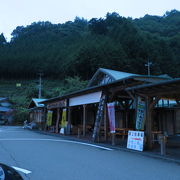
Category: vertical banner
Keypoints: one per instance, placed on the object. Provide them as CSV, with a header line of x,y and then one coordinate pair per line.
x,y
99,117
140,115
63,121
111,115
49,118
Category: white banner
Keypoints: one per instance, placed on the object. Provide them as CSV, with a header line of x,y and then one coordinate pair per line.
x,y
111,115
135,140
85,99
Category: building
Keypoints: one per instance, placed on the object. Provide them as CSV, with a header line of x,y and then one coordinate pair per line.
x,y
84,113
36,111
6,111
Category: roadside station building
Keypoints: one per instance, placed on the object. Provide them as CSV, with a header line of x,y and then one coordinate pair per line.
x,y
85,113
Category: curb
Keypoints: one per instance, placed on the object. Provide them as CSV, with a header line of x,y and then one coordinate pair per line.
x,y
144,153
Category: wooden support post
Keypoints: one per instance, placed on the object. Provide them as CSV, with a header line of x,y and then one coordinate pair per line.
x,y
57,121
44,118
113,135
69,121
131,95
79,133
148,123
105,122
127,112
84,119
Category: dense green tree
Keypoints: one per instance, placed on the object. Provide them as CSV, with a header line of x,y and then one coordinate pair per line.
x,y
2,39
80,47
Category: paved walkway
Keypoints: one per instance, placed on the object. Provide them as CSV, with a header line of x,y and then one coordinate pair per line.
x,y
172,151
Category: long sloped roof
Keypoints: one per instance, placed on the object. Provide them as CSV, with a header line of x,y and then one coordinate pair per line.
x,y
167,89
114,75
118,79
118,75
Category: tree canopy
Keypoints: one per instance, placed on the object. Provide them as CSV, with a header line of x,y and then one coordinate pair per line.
x,y
80,47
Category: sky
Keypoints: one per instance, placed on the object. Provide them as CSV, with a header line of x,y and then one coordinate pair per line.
x,y
23,12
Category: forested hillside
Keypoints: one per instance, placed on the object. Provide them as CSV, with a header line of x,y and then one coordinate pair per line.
x,y
80,47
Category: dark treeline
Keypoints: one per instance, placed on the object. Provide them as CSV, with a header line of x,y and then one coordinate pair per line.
x,y
80,47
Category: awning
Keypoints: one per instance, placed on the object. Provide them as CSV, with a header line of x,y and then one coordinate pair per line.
x,y
85,99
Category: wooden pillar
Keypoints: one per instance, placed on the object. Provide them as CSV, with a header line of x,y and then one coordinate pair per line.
x,y
44,118
84,119
57,121
36,116
105,122
126,113
69,120
39,117
149,123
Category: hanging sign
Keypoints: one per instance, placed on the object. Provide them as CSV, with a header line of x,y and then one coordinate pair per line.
x,y
135,140
85,99
111,114
140,115
49,118
57,104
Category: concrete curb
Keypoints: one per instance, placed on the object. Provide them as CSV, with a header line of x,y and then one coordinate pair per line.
x,y
144,153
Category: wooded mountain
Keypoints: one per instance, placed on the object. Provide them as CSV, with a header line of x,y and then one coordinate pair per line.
x,y
80,47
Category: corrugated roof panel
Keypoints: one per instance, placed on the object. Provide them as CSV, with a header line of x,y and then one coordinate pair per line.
x,y
117,74
4,109
38,102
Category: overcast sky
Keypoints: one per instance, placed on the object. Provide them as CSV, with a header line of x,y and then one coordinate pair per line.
x,y
23,12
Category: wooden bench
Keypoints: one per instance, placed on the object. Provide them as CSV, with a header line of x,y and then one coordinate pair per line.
x,y
155,135
80,129
119,132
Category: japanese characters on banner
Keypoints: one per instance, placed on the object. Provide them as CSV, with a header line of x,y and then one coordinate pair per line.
x,y
140,116
111,114
63,121
135,140
99,117
58,104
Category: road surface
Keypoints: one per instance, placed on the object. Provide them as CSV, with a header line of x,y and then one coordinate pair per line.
x,y
44,157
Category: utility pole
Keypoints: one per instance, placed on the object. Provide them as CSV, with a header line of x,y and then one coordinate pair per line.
x,y
40,85
148,65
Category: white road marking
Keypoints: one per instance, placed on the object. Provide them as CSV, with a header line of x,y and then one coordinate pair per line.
x,y
57,140
4,131
25,171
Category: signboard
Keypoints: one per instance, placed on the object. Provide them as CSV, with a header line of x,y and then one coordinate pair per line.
x,y
57,104
18,84
49,118
140,115
99,117
85,99
63,121
135,140
111,114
